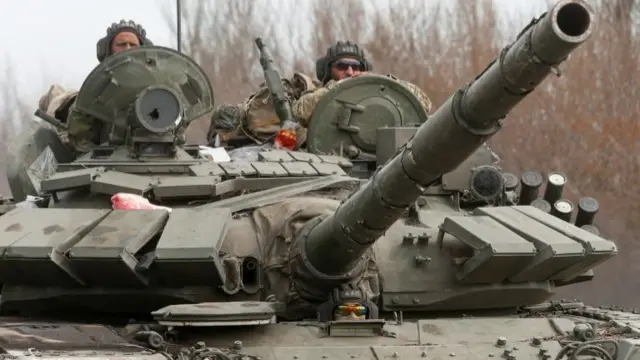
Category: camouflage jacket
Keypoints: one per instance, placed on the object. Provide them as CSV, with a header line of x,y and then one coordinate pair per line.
x,y
83,130
303,107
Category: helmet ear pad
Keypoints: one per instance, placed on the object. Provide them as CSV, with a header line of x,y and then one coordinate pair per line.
x,y
102,48
322,69
366,65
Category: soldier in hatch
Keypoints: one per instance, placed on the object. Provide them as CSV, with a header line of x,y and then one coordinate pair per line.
x,y
350,311
84,131
347,303
343,60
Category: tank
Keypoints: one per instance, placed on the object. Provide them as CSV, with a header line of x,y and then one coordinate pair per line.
x,y
263,252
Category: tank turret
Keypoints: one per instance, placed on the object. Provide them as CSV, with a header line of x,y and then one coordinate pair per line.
x,y
239,244
452,134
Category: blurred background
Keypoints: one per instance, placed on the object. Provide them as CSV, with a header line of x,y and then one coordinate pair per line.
x,y
583,124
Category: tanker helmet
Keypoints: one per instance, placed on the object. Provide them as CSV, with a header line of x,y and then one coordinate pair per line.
x,y
340,49
103,46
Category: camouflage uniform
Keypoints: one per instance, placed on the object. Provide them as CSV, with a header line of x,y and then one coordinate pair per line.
x,y
84,131
255,118
55,102
303,107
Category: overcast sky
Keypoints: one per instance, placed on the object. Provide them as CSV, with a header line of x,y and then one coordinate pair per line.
x,y
53,41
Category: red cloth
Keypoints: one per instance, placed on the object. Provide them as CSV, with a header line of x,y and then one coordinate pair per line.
x,y
126,201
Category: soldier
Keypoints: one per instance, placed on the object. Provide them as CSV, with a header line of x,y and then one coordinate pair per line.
x,y
84,132
343,60
346,303
254,120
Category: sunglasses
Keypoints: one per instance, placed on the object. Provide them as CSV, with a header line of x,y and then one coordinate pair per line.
x,y
346,309
343,65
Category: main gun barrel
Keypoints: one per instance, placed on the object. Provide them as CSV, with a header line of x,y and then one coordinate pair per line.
x,y
474,113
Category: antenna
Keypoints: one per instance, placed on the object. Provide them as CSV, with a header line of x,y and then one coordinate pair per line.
x,y
179,24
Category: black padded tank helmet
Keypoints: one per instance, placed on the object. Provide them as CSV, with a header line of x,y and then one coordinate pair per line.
x,y
103,47
340,49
